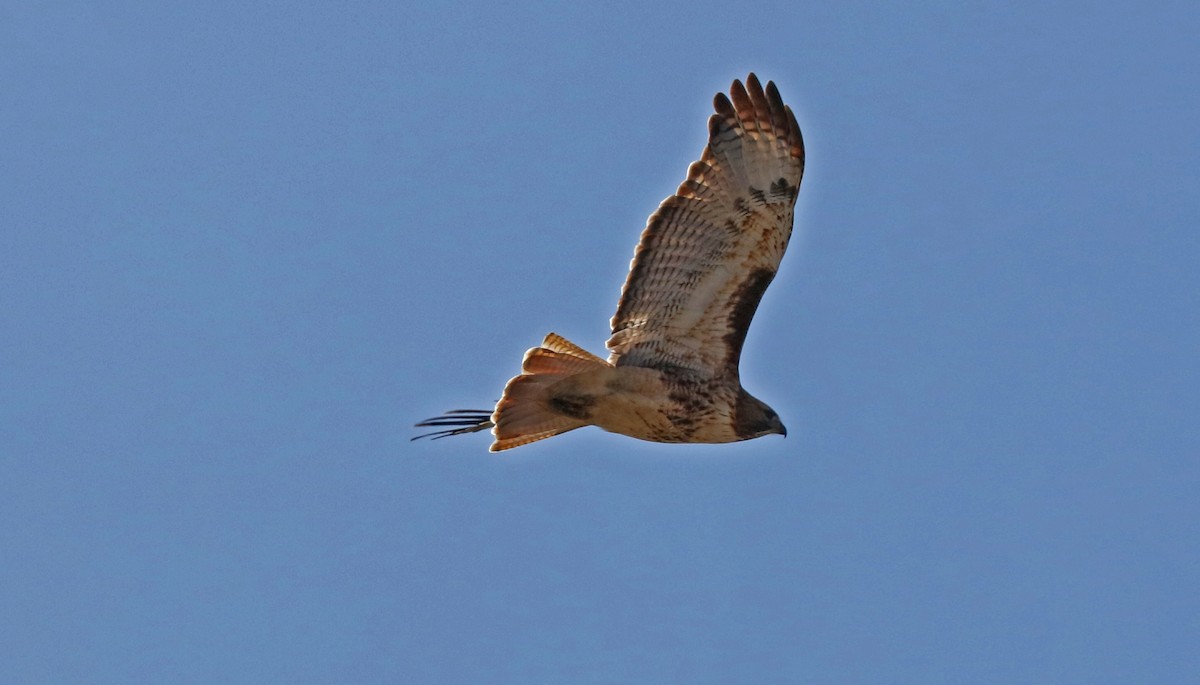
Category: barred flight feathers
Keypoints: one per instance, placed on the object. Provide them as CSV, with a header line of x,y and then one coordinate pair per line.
x,y
704,260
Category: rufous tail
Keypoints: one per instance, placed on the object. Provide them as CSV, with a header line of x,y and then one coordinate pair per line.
x,y
523,414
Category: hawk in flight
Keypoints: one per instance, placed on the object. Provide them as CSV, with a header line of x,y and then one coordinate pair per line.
x,y
704,260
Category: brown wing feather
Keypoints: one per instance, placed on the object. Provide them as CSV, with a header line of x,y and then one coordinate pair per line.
x,y
710,250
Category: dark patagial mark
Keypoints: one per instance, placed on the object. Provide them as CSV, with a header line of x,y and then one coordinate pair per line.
x,y
744,303
575,406
744,415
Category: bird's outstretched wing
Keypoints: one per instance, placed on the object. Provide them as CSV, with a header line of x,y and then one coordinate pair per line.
x,y
710,250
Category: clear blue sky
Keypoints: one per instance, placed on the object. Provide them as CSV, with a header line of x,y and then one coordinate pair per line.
x,y
245,246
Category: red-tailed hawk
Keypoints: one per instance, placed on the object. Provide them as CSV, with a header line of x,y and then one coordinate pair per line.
x,y
703,263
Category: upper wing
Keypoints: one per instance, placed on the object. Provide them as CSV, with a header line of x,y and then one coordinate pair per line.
x,y
710,250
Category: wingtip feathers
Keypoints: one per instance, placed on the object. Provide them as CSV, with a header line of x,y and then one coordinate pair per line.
x,y
756,110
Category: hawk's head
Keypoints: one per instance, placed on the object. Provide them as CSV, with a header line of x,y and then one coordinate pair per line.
x,y
754,418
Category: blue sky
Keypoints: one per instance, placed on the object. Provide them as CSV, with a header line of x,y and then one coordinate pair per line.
x,y
246,245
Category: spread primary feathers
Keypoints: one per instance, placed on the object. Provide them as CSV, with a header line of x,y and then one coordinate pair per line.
x,y
706,257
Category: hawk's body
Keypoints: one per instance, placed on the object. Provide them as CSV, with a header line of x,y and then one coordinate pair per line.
x,y
706,257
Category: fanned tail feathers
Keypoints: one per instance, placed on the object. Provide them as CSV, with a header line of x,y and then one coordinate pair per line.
x,y
524,414
556,343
